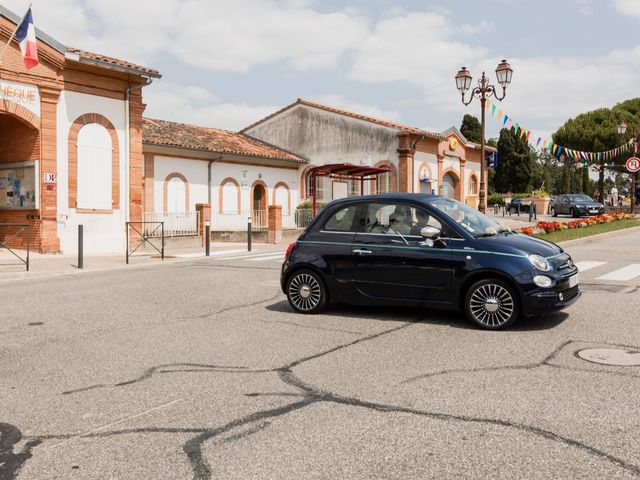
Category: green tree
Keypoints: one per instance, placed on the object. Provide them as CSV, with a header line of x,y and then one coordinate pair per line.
x,y
471,128
597,131
515,163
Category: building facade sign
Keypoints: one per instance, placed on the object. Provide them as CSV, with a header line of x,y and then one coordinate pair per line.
x,y
26,96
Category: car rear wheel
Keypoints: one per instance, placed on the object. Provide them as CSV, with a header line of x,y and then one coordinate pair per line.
x,y
553,212
492,304
573,212
306,292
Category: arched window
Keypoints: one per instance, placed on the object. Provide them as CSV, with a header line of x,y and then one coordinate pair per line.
x,y
473,185
176,193
386,182
94,168
229,196
310,187
282,197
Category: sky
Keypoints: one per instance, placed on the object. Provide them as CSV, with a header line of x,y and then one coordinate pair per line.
x,y
228,63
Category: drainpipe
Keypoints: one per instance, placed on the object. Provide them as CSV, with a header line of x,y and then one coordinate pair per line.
x,y
209,181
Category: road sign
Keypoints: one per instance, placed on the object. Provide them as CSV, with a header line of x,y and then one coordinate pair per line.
x,y
633,164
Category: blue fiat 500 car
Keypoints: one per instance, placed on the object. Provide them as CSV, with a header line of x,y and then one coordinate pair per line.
x,y
427,251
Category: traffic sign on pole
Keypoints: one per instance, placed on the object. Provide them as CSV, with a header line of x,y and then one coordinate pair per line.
x,y
633,164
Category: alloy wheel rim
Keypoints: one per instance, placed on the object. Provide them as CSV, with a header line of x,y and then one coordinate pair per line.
x,y
492,305
305,292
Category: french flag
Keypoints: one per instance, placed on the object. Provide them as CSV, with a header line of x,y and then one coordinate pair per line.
x,y
26,36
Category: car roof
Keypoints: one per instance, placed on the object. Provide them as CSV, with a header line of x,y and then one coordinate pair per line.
x,y
401,197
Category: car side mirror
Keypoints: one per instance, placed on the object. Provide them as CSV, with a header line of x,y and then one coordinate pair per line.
x,y
430,232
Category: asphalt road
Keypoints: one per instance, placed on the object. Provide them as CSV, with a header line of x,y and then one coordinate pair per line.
x,y
201,370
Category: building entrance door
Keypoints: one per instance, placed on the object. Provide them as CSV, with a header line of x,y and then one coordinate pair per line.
x,y
259,205
448,186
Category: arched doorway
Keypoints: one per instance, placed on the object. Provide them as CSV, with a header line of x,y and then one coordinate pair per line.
x,y
259,205
449,184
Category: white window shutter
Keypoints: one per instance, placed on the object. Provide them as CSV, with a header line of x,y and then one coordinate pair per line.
x,y
94,168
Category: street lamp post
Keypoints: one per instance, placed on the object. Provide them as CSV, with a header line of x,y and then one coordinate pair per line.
x,y
483,91
622,129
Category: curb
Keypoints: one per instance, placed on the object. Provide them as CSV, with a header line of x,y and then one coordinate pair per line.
x,y
591,238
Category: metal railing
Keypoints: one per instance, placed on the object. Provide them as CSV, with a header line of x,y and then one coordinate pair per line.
x,y
20,227
303,217
176,224
141,238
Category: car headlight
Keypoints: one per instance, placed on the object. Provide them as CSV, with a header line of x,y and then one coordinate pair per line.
x,y
539,262
542,281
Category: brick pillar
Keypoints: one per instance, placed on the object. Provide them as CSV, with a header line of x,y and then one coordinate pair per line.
x,y
274,235
205,214
48,164
405,159
136,108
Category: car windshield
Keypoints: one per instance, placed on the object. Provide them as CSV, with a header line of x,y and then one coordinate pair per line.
x,y
580,198
474,222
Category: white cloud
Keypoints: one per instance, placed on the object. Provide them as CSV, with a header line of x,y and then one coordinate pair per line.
x,y
191,104
228,35
628,7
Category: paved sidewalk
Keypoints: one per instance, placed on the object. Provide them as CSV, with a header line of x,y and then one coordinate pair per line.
x,y
44,265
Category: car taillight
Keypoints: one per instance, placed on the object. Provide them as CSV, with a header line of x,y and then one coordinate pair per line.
x,y
289,248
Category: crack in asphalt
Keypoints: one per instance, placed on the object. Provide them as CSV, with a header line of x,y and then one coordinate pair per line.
x,y
528,366
258,421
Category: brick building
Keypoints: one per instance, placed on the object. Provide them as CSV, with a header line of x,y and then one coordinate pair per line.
x,y
70,143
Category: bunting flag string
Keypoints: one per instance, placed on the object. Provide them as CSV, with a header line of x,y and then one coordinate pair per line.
x,y
583,157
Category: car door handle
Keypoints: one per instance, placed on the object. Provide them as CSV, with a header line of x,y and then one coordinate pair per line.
x,y
362,252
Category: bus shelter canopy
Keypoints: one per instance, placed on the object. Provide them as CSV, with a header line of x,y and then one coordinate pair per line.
x,y
344,171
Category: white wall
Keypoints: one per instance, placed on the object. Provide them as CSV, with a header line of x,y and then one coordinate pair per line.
x,y
102,232
195,171
245,175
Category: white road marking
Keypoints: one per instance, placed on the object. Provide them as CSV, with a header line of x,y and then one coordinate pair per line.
x,y
247,256
217,252
622,274
224,252
279,256
587,265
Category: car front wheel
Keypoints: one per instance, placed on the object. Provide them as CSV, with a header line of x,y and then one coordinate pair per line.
x,y
306,292
491,304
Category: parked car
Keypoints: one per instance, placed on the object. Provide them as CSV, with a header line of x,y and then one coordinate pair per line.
x,y
576,205
450,256
518,204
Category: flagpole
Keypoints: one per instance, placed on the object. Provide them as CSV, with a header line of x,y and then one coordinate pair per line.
x,y
4,50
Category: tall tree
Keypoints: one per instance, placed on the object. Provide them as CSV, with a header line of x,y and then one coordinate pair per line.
x,y
515,163
597,131
471,128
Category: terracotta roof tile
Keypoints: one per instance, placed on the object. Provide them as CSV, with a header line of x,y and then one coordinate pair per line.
x,y
162,132
114,61
359,116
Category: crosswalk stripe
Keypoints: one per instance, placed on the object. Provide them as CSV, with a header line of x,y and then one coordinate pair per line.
x,y
623,274
587,265
280,256
225,252
250,255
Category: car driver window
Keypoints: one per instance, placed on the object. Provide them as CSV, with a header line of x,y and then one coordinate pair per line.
x,y
342,220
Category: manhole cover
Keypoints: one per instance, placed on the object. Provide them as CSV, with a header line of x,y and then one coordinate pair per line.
x,y
611,356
